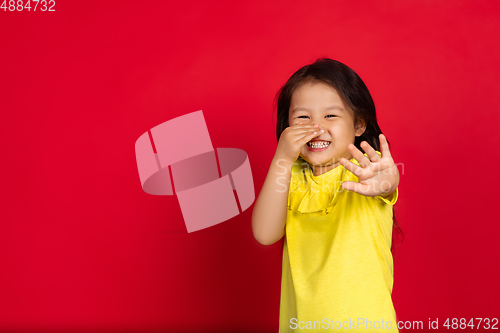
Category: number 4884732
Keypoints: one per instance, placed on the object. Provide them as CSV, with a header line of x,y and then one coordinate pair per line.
x,y
461,323
19,5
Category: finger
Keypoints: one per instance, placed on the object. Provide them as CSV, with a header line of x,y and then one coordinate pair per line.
x,y
355,169
358,155
384,146
300,134
355,187
293,132
372,153
305,129
307,137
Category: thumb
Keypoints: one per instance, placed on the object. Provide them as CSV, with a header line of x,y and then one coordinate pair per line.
x,y
350,185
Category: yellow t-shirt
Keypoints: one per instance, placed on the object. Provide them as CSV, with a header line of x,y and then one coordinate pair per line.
x,y
337,261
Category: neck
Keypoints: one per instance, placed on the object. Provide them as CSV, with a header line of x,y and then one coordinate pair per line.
x,y
318,170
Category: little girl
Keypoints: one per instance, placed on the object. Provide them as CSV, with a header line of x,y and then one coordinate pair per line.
x,y
330,191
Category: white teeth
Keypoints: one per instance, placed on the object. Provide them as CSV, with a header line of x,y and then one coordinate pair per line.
x,y
321,144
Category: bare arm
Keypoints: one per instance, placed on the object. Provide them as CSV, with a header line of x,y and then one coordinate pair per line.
x,y
270,209
269,212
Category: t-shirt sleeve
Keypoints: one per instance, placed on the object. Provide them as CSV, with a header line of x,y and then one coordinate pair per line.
x,y
391,199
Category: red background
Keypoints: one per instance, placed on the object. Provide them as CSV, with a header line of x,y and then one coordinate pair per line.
x,y
83,248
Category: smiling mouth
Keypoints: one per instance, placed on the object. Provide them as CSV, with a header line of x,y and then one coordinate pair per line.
x,y
318,144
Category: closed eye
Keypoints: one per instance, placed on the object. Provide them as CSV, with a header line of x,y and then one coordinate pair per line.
x,y
327,116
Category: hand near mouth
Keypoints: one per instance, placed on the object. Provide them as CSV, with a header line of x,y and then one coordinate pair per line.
x,y
377,175
293,138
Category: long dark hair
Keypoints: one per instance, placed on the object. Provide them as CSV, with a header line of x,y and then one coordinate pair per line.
x,y
353,92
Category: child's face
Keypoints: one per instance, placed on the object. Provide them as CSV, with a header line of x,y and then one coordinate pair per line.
x,y
318,103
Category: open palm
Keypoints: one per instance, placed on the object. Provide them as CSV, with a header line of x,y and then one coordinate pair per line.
x,y
378,175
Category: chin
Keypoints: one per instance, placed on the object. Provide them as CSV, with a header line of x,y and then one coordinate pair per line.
x,y
317,160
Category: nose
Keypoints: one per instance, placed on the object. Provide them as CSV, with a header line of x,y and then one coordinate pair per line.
x,y
320,122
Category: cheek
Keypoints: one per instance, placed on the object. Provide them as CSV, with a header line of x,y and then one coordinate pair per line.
x,y
294,121
341,133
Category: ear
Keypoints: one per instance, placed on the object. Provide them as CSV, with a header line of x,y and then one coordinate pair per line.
x,y
360,127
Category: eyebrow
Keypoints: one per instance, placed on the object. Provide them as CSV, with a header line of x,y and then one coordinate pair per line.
x,y
335,107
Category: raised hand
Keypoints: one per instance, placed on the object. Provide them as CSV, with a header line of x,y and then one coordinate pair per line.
x,y
378,175
293,138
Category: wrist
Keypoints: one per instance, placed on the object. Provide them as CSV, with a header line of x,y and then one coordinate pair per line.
x,y
283,164
387,194
283,160
394,183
